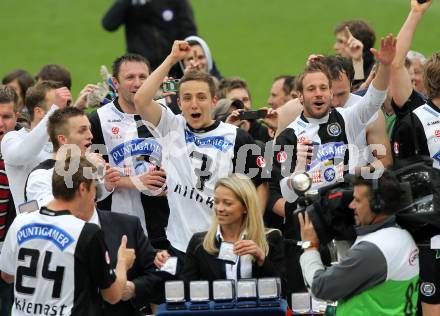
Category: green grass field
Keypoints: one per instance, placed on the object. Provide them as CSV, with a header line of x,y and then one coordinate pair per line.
x,y
255,39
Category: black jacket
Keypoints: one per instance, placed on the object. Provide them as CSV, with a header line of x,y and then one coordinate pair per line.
x,y
200,265
114,226
151,26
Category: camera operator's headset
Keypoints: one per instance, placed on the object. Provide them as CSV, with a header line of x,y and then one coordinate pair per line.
x,y
377,204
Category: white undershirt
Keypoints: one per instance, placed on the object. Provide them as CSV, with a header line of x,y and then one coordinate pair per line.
x,y
245,262
95,218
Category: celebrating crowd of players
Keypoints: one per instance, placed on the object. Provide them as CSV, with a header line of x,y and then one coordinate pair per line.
x,y
150,164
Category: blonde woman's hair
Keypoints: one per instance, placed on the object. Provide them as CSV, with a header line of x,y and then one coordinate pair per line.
x,y
246,193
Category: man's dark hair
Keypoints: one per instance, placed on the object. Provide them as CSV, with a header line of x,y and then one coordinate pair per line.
x,y
8,95
56,72
195,75
24,80
36,95
57,124
361,30
337,65
288,83
389,191
63,188
228,84
313,68
116,66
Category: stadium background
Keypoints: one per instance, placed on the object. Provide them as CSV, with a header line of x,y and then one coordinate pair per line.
x,y
256,39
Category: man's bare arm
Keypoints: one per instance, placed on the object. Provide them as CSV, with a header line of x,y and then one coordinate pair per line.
x,y
385,57
146,107
376,133
279,207
287,114
401,86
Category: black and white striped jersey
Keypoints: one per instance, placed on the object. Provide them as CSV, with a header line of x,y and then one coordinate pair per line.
x,y
133,151
419,128
194,161
334,137
59,262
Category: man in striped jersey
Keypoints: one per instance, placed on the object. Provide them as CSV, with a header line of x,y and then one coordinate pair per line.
x,y
57,260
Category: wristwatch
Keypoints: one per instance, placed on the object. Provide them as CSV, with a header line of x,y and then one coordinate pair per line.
x,y
306,244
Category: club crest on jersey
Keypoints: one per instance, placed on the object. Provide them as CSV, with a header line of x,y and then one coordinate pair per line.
x,y
281,156
56,235
137,147
329,174
427,288
261,162
334,129
217,142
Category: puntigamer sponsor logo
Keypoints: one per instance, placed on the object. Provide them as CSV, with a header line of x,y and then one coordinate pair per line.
x,y
136,147
56,235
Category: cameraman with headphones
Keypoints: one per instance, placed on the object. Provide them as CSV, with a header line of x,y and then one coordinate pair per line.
x,y
379,273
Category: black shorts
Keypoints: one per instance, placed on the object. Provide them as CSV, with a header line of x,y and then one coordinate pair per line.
x,y
429,276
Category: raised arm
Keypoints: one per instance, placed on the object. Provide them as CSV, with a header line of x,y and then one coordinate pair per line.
x,y
385,57
354,48
358,115
400,85
17,150
287,114
146,107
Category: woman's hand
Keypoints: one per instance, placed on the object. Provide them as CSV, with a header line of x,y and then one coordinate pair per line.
x,y
249,247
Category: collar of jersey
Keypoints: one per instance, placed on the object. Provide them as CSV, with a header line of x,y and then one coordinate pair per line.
x,y
433,106
45,211
117,106
368,229
314,121
204,130
137,117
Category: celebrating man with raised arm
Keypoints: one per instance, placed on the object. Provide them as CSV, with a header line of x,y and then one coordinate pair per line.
x,y
197,150
320,138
